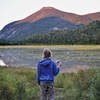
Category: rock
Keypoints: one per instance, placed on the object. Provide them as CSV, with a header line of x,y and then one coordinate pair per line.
x,y
2,63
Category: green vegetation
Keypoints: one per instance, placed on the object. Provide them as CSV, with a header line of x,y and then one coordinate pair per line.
x,y
20,84
25,29
89,34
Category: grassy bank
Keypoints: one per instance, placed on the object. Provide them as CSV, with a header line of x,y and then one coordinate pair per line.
x,y
20,84
75,47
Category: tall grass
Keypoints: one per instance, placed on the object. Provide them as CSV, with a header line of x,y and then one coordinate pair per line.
x,y
20,84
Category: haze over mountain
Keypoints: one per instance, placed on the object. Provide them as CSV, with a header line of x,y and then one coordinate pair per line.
x,y
45,20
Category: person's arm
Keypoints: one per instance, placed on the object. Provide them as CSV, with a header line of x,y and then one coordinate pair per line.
x,y
55,69
38,74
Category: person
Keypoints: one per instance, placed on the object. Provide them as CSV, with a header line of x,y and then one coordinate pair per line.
x,y
46,70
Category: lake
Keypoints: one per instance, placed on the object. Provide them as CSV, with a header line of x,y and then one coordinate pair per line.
x,y
28,56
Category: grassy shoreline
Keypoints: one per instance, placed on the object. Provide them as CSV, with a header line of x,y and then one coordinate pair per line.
x,y
76,47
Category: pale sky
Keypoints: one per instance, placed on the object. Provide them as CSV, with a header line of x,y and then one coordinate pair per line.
x,y
12,10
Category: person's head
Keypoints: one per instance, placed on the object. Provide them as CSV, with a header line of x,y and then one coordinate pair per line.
x,y
46,53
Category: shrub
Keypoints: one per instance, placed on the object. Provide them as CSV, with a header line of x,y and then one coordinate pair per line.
x,y
20,84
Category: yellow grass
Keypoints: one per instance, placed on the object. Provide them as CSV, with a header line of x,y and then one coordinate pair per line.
x,y
88,47
76,47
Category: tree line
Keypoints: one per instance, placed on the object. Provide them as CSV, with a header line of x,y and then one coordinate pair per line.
x,y
89,34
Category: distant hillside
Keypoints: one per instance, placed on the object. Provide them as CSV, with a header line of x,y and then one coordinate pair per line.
x,y
50,11
89,34
45,20
20,31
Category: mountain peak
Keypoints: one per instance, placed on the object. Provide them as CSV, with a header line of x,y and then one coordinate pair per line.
x,y
47,8
51,11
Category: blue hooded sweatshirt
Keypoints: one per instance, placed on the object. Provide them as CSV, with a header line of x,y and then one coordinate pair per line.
x,y
46,70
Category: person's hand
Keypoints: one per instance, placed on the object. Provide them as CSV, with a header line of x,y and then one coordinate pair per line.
x,y
59,64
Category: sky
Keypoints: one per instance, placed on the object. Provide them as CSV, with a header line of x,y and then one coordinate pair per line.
x,y
12,10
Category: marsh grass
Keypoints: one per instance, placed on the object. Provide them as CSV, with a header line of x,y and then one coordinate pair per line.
x,y
20,84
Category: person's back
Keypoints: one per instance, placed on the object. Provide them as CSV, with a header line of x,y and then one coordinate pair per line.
x,y
46,70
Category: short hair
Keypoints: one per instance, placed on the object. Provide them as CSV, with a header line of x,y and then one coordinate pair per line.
x,y
47,53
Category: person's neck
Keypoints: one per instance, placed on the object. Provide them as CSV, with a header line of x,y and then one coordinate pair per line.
x,y
47,58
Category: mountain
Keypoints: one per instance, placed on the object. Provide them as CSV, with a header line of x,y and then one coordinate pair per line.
x,y
89,34
20,31
50,11
45,20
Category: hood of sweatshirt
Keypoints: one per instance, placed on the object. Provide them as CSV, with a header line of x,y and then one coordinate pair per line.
x,y
45,62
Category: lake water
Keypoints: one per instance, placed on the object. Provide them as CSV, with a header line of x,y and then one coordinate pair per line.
x,y
29,56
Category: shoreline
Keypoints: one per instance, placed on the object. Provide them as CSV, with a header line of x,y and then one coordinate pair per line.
x,y
75,47
74,69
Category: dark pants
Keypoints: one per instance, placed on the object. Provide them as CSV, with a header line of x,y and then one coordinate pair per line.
x,y
46,91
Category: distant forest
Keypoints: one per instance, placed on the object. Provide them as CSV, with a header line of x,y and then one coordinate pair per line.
x,y
89,34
